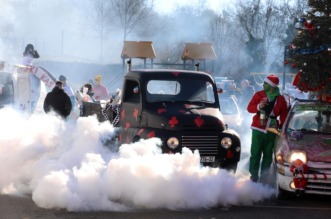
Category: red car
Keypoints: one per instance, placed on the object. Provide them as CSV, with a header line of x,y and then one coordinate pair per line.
x,y
303,150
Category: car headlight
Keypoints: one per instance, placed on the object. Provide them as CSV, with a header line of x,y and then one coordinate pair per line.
x,y
172,142
226,142
298,155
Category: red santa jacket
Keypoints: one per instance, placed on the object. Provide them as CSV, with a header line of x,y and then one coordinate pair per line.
x,y
279,110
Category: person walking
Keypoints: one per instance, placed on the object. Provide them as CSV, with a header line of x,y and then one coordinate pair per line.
x,y
267,105
68,90
29,54
58,101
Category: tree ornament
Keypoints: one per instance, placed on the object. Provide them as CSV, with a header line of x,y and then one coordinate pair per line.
x,y
302,20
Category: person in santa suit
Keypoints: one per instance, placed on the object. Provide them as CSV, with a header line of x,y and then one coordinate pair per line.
x,y
270,109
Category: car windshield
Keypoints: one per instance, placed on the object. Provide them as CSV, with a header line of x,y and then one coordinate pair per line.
x,y
311,119
187,90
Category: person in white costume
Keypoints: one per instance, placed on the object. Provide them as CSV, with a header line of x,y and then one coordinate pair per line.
x,y
29,54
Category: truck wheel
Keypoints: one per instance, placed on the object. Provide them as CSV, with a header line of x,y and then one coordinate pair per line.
x,y
232,167
135,138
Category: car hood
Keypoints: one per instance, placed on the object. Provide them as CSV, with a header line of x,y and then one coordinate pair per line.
x,y
317,147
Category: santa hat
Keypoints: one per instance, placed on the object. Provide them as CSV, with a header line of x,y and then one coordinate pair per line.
x,y
272,80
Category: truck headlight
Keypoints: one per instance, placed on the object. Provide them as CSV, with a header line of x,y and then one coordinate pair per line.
x,y
298,155
226,142
172,142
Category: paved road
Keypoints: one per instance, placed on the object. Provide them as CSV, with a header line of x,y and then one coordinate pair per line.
x,y
308,207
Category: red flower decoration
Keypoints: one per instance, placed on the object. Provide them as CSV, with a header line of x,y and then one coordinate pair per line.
x,y
140,131
127,125
159,111
173,122
123,114
151,134
135,113
198,121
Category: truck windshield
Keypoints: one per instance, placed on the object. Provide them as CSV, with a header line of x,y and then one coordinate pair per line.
x,y
188,90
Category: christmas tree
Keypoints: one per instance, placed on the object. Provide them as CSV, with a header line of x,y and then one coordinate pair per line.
x,y
311,49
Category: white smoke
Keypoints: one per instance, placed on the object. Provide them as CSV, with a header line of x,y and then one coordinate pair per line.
x,y
64,164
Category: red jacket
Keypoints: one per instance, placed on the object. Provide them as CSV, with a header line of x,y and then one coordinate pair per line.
x,y
280,110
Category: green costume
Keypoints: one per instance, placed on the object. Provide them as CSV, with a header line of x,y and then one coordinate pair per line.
x,y
263,144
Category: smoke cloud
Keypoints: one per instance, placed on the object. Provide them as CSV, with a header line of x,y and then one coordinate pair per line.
x,y
65,164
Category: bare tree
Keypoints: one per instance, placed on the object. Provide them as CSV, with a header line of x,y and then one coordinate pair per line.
x,y
228,45
100,19
263,23
131,14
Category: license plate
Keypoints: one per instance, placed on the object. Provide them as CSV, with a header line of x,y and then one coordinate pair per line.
x,y
207,159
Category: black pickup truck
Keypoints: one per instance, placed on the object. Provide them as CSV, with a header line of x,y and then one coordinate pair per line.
x,y
182,109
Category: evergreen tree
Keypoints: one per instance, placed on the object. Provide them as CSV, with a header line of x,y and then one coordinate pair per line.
x,y
311,49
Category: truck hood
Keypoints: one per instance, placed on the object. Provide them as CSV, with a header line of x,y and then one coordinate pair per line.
x,y
317,147
184,116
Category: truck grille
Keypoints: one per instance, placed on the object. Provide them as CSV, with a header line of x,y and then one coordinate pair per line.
x,y
206,144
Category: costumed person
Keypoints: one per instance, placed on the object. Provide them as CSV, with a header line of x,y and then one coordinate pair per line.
x,y
68,90
29,54
100,91
58,101
112,109
85,94
267,105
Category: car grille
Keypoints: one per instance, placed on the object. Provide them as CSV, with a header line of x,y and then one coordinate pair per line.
x,y
319,186
206,144
322,187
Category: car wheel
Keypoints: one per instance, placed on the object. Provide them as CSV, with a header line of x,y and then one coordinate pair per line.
x,y
285,195
281,194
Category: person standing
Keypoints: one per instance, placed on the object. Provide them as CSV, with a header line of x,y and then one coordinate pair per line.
x,y
113,108
29,54
100,91
267,105
68,90
58,101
